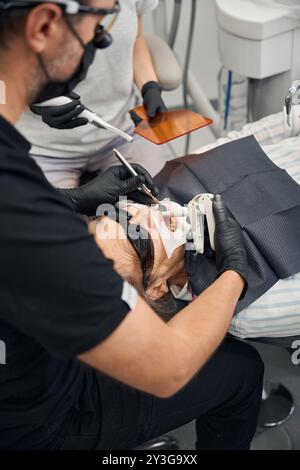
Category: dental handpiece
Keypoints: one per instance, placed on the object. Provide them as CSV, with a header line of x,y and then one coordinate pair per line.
x,y
132,171
92,117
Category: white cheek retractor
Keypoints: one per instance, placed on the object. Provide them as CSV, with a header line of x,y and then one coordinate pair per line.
x,y
292,108
196,211
171,239
199,208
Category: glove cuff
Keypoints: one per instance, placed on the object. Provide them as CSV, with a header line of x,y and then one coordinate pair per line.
x,y
242,274
136,119
151,85
70,196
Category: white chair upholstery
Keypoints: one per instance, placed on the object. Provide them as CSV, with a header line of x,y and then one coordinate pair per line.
x,y
167,68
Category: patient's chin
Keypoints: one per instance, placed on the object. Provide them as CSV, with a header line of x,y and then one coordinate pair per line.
x,y
150,297
154,293
153,298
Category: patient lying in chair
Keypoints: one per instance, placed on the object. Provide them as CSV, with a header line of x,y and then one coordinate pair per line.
x,y
156,273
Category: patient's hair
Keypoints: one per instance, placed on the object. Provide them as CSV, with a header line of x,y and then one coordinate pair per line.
x,y
166,307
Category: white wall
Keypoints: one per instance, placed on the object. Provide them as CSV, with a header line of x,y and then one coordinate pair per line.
x,y
205,59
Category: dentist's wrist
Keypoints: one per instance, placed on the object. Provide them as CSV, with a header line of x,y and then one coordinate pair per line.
x,y
237,282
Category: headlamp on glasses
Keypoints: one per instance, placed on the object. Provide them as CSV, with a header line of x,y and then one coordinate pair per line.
x,y
103,38
70,7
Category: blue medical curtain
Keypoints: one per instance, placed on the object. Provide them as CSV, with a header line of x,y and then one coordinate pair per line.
x,y
264,200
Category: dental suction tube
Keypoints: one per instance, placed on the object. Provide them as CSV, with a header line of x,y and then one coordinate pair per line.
x,y
92,118
98,122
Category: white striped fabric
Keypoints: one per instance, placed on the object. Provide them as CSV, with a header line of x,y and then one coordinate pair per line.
x,y
276,313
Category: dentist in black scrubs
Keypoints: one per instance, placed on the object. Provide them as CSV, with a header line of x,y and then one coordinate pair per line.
x,y
89,365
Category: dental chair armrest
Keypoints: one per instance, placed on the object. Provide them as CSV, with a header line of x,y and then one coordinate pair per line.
x,y
166,66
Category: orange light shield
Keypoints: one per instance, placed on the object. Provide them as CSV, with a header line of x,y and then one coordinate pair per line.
x,y
169,126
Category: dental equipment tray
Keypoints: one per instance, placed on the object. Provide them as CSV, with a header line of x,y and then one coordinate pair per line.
x,y
168,126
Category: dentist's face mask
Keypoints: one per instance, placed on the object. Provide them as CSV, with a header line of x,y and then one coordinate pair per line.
x,y
53,89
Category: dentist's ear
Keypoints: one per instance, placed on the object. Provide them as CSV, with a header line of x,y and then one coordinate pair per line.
x,y
157,290
42,24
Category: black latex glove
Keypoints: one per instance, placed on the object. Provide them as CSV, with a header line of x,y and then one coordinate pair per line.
x,y
135,118
229,245
107,187
62,117
153,102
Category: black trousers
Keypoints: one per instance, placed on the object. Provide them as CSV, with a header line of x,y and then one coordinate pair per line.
x,y
224,398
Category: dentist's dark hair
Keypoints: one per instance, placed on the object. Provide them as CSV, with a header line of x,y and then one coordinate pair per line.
x,y
13,21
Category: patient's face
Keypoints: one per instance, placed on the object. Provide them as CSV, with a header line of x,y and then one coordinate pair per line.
x,y
165,272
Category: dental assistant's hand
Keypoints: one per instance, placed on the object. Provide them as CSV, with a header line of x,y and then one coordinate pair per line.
x,y
152,100
62,117
229,245
107,187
